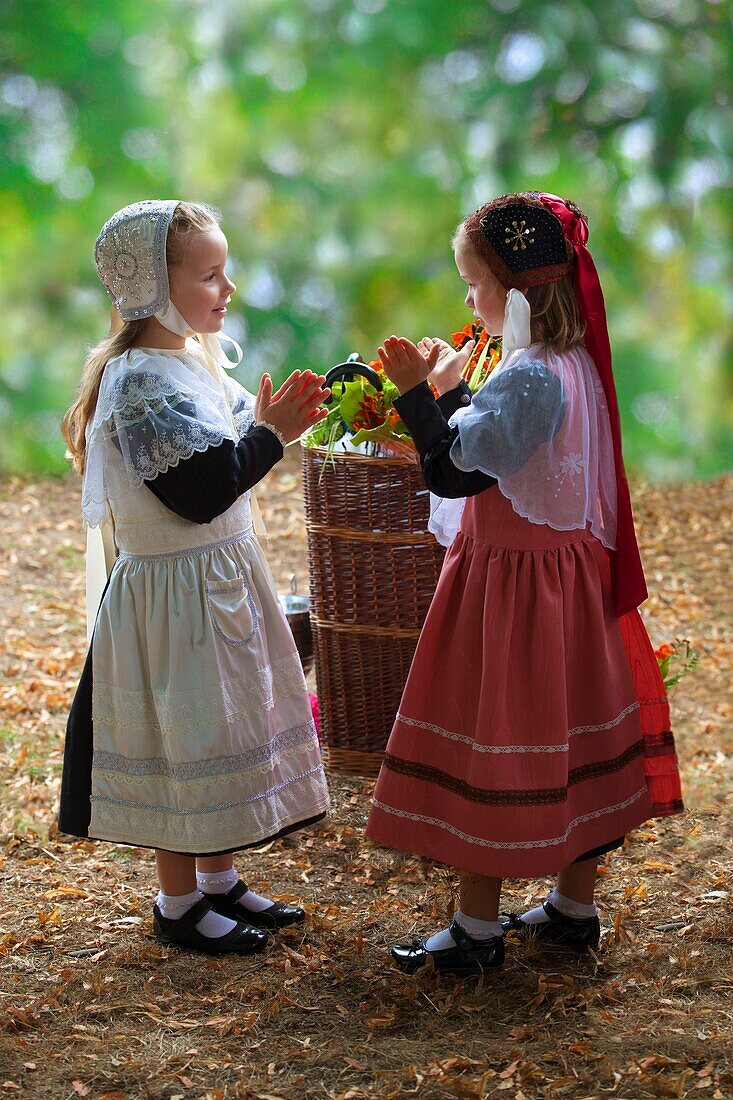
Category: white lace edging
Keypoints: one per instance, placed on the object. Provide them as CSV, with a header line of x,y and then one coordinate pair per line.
x,y
606,725
211,832
275,431
93,508
462,737
243,420
539,521
506,844
451,736
168,450
298,739
217,807
164,784
138,393
134,396
160,455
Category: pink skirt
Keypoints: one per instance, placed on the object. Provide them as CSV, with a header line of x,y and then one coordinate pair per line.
x,y
534,725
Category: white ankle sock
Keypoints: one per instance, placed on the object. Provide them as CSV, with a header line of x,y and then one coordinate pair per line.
x,y
570,908
221,882
254,902
216,882
173,906
441,941
535,916
477,930
566,906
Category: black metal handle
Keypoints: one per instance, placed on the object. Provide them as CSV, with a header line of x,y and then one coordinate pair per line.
x,y
354,365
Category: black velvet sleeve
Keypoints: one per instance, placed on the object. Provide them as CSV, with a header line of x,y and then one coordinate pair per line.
x,y
453,400
427,420
202,487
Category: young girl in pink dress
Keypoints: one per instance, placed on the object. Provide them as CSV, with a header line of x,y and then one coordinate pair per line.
x,y
533,733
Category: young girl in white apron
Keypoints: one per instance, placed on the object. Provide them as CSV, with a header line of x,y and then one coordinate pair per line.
x,y
191,731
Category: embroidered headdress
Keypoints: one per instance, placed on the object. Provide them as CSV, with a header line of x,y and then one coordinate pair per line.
x,y
131,257
524,244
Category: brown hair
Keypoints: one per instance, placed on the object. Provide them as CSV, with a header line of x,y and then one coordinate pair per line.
x,y
556,319
188,218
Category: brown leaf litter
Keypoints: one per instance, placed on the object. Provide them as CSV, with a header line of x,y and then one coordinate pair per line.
x,y
92,1006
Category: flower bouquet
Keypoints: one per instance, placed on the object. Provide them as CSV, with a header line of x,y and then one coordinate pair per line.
x,y
484,357
362,416
675,660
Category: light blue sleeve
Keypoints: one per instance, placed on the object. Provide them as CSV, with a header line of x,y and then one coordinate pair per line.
x,y
517,411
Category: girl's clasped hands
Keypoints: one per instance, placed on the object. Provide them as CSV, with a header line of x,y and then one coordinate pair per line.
x,y
295,406
408,364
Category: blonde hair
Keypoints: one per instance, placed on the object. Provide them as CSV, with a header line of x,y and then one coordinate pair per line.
x,y
188,218
556,319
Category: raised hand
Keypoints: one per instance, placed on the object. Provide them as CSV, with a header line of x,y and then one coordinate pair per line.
x,y
295,407
448,369
405,364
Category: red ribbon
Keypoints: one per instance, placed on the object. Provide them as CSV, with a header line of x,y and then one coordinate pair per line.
x,y
629,585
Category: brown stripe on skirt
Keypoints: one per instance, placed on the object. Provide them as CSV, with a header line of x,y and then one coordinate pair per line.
x,y
538,797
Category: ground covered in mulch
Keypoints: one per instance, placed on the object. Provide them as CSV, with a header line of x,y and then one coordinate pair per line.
x,y
92,1006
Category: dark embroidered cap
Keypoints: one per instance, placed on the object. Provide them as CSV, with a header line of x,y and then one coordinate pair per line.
x,y
526,243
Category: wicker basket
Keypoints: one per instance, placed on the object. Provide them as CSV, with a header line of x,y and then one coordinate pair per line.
x,y
373,570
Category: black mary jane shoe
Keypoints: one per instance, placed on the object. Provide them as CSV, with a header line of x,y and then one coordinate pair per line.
x,y
469,956
574,933
241,940
276,916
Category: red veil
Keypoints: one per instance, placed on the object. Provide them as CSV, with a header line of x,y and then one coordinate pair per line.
x,y
660,760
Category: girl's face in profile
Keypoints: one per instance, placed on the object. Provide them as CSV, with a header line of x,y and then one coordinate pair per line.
x,y
486,296
200,288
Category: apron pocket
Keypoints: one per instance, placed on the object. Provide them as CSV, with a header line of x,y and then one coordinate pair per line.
x,y
232,609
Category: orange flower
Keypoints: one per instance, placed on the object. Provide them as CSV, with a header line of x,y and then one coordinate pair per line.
x,y
663,652
466,333
371,412
472,331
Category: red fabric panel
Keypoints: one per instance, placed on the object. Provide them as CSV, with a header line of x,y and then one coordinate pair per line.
x,y
660,758
629,586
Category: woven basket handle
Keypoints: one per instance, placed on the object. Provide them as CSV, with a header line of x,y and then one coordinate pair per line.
x,y
349,369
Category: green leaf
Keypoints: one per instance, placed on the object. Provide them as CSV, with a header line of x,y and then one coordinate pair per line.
x,y
377,435
354,393
327,431
390,391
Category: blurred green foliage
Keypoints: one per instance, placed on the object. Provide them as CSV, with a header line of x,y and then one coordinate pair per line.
x,y
343,140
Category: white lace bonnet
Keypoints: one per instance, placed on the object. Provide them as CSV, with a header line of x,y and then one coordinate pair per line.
x,y
131,258
130,253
